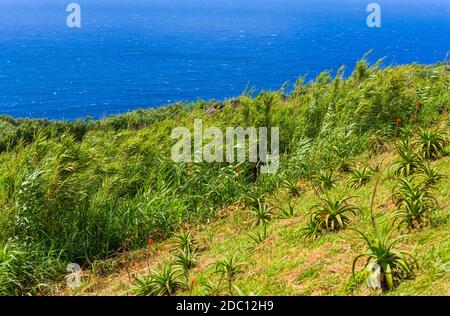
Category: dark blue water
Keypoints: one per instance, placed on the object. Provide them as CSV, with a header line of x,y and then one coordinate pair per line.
x,y
131,54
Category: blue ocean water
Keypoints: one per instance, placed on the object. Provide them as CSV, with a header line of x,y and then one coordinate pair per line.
x,y
137,53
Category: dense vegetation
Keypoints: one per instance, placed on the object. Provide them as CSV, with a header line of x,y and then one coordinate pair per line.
x,y
87,190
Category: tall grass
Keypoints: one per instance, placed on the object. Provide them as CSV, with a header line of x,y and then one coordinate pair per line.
x,y
85,190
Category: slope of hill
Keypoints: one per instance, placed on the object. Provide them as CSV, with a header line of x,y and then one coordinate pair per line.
x,y
283,262
107,195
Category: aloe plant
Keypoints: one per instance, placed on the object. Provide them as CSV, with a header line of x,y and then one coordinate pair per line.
x,y
228,269
186,259
184,241
394,265
262,214
415,202
163,283
432,142
254,197
287,212
312,229
408,189
414,213
431,175
332,213
291,186
324,180
258,237
407,162
359,177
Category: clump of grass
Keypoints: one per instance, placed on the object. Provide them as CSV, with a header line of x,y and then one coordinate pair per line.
x,y
29,271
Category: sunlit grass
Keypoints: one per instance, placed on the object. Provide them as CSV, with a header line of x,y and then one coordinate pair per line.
x,y
86,190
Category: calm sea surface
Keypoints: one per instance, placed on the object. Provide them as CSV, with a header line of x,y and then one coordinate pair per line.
x,y
137,53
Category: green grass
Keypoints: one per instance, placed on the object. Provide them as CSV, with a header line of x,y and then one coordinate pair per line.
x,y
87,191
286,265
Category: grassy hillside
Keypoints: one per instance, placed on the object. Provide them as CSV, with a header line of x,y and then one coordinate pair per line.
x,y
283,262
107,195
